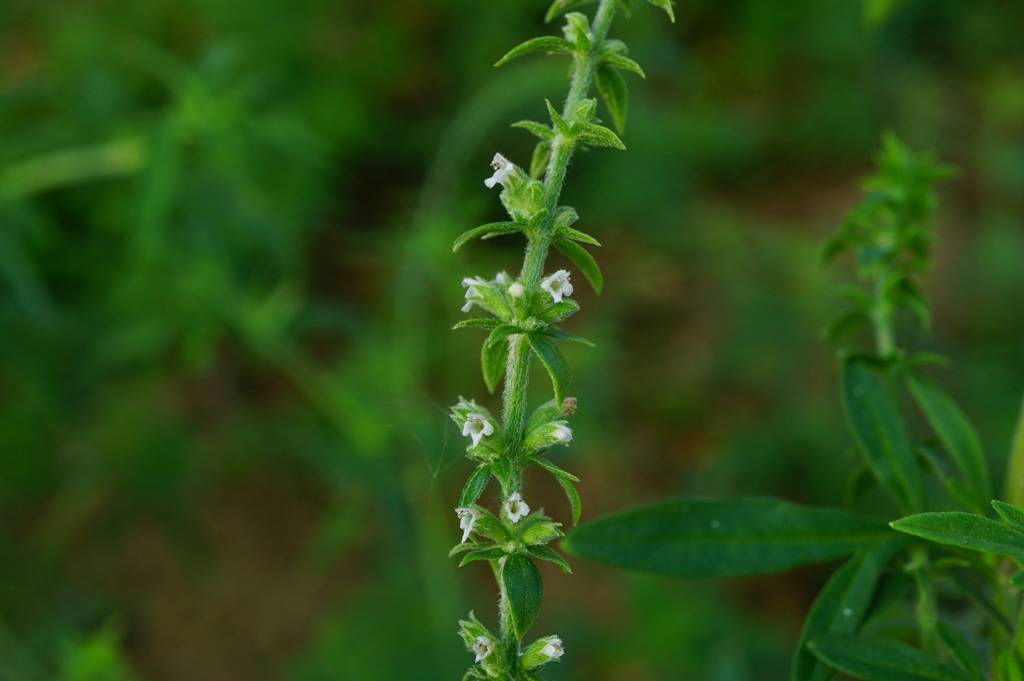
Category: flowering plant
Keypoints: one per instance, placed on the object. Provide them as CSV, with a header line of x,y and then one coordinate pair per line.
x,y
522,315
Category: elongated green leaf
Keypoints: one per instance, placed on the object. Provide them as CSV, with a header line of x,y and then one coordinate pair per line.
x,y
559,7
493,359
583,260
615,95
558,334
549,554
955,433
554,470
542,131
665,5
478,323
573,495
881,435
962,651
500,333
539,160
966,531
715,538
553,362
557,121
842,606
475,486
491,229
1010,513
524,590
621,61
544,43
490,553
576,235
599,136
881,660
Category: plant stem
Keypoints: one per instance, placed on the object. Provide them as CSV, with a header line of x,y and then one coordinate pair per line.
x,y
539,243
885,341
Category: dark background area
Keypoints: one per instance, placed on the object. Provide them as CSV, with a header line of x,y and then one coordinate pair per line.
x,y
226,287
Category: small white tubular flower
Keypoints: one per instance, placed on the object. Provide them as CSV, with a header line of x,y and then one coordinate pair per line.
x,y
515,508
553,648
502,278
477,427
562,433
467,520
516,290
502,169
558,285
472,293
483,647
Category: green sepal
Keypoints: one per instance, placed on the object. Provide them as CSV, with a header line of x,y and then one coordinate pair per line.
x,y
565,217
665,5
620,61
537,129
558,334
538,528
489,553
475,486
553,362
577,26
550,555
599,136
583,113
560,311
490,526
539,160
549,411
523,590
493,360
583,260
546,43
557,121
478,323
559,7
559,473
490,230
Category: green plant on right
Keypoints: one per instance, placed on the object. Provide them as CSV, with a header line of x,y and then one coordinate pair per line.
x,y
951,573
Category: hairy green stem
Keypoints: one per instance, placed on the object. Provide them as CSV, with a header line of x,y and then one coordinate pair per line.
x,y
539,243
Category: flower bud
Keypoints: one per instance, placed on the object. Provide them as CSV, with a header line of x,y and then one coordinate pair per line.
x,y
548,434
542,651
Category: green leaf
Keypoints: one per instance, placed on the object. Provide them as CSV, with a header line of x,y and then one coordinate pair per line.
x,y
549,554
475,486
493,359
1009,667
955,432
599,136
716,538
547,43
1010,513
559,7
559,473
874,418
501,333
478,323
573,495
615,95
522,586
556,312
558,334
841,606
881,660
542,131
665,5
621,61
962,651
491,229
583,261
553,362
576,235
966,531
556,120
490,553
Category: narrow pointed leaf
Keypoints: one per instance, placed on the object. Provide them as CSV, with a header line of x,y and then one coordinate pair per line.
x,y
955,432
478,323
715,538
841,606
490,553
557,121
549,554
475,486
493,358
583,261
558,334
553,362
491,229
962,651
621,61
500,333
577,235
881,660
559,473
966,531
546,43
559,7
1010,513
599,136
573,495
665,5
522,586
874,418
537,129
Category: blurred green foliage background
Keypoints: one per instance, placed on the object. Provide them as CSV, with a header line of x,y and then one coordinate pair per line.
x,y
226,286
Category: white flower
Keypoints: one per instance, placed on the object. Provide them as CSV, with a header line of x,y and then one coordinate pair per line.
x,y
502,278
502,169
483,647
515,508
477,427
467,520
472,293
558,285
553,649
516,290
562,433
